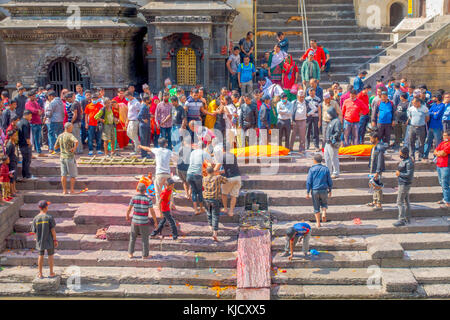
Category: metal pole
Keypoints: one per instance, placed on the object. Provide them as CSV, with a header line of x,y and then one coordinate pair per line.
x,y
300,12
256,29
306,22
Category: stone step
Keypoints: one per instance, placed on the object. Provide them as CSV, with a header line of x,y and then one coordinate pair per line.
x,y
415,39
276,197
362,259
114,214
126,291
386,59
350,212
338,292
113,258
188,243
318,2
355,165
424,33
310,7
297,181
437,290
319,276
128,275
57,210
296,41
64,225
408,241
200,229
371,227
263,23
435,275
330,45
284,16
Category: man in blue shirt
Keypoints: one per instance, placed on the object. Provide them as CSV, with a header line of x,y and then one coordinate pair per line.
x,y
435,125
397,94
246,72
358,83
300,231
283,42
446,116
391,89
319,184
264,120
383,117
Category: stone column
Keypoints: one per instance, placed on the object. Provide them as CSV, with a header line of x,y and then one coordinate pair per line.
x,y
158,45
206,53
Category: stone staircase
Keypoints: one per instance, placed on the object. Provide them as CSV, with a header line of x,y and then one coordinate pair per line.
x,y
332,23
404,53
198,268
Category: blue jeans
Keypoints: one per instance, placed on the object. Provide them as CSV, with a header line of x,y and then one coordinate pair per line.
x,y
36,132
433,134
94,133
166,133
363,121
234,82
84,133
144,136
195,181
54,130
350,133
444,181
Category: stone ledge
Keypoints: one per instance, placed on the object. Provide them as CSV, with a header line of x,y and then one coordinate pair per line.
x,y
46,284
398,280
381,250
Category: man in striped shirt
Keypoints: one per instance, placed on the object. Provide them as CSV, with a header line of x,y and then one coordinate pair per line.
x,y
211,195
140,223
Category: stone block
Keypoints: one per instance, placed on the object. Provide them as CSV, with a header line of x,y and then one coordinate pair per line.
x,y
253,294
46,284
398,280
381,250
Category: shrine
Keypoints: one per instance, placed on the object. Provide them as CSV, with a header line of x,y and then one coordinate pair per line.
x,y
188,41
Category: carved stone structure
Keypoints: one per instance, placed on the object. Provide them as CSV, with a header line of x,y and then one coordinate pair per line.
x,y
176,27
102,38
105,41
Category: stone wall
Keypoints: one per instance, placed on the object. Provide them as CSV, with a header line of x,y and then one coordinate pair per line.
x,y
374,14
111,64
432,69
9,214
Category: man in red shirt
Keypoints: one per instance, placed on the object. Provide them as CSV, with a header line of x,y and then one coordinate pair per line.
x,y
351,111
319,54
443,168
36,123
363,96
93,132
120,98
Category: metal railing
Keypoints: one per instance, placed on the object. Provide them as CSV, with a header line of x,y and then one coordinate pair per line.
x,y
301,9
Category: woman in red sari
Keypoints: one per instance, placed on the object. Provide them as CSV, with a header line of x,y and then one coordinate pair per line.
x,y
154,130
121,132
289,76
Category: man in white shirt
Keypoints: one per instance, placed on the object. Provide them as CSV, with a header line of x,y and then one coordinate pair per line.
x,y
284,109
299,121
163,156
134,107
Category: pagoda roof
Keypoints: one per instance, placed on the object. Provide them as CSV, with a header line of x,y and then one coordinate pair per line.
x,y
187,7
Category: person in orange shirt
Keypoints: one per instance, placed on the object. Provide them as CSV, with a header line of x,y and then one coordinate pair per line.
x,y
364,119
93,131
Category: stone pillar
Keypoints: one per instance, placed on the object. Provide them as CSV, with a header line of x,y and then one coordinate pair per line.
x,y
206,53
158,45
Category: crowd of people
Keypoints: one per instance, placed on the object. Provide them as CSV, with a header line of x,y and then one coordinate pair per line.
x,y
287,100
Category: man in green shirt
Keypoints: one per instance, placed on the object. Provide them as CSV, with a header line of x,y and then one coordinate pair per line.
x,y
68,144
310,70
108,123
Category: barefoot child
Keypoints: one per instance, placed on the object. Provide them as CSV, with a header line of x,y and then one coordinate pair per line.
x,y
319,184
164,208
300,231
211,195
5,176
140,223
43,226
